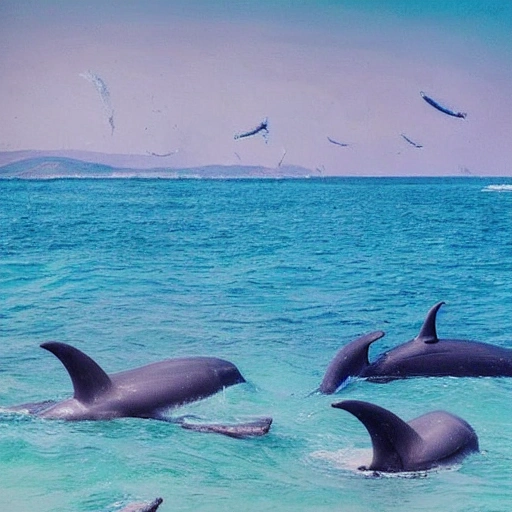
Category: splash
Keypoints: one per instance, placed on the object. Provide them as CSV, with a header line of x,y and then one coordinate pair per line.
x,y
349,459
346,458
498,188
104,93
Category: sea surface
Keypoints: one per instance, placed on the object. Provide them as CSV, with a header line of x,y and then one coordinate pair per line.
x,y
275,275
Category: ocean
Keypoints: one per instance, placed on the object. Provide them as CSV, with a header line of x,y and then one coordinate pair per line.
x,y
274,275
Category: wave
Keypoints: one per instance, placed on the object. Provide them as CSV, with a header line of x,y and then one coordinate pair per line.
x,y
48,168
498,188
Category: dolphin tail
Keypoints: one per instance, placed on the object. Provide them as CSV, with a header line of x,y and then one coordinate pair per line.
x,y
256,428
88,378
428,332
391,436
350,361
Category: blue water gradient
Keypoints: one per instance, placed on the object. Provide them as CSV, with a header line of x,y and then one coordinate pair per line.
x,y
274,275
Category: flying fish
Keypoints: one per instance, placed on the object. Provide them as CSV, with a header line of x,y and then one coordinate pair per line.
x,y
262,127
440,107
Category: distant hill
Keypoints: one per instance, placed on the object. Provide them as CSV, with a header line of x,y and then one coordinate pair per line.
x,y
67,164
113,160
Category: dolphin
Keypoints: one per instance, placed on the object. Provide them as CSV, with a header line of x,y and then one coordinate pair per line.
x,y
424,356
143,507
144,392
437,438
262,127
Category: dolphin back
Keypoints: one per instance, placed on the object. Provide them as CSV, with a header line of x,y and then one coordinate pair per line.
x,y
448,438
350,361
88,378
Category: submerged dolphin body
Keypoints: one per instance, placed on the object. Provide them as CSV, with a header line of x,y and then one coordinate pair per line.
x,y
424,356
143,507
143,392
435,439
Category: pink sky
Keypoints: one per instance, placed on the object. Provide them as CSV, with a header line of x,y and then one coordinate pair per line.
x,y
187,82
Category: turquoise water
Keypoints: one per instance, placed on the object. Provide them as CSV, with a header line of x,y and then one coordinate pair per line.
x,y
274,275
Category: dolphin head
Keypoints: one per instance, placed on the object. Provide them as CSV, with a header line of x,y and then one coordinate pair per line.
x,y
350,361
227,373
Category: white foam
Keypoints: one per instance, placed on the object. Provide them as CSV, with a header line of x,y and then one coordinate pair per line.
x,y
350,459
498,188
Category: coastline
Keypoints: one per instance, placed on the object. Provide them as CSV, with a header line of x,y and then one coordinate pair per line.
x,y
45,165
184,84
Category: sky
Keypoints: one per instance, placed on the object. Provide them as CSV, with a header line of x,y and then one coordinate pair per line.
x,y
178,79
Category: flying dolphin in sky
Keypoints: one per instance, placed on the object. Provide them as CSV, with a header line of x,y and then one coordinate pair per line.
x,y
439,107
342,144
411,142
262,127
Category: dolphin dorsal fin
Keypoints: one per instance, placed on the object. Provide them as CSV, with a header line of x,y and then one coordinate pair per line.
x,y
428,332
392,438
88,378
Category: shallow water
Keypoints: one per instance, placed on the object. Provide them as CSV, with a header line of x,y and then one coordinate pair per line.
x,y
274,275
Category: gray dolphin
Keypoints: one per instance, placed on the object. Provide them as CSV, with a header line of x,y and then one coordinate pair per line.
x,y
143,507
262,127
424,356
143,392
435,439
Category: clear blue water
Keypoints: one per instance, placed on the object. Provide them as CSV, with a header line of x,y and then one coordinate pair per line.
x,y
274,275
